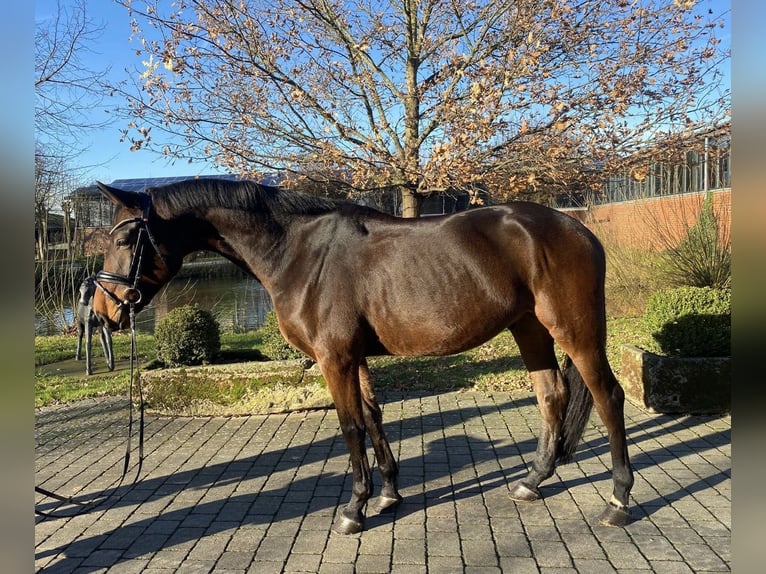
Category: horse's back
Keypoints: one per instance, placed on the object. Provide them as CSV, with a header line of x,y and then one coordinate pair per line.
x,y
445,284
508,243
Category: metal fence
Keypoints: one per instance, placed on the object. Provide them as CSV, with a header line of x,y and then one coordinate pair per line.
x,y
702,171
705,169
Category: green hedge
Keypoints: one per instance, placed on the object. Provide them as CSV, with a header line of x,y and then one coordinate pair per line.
x,y
273,344
690,322
187,335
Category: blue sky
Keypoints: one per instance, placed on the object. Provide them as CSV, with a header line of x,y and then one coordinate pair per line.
x,y
107,158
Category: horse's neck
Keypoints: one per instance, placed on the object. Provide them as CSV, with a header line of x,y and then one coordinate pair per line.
x,y
249,243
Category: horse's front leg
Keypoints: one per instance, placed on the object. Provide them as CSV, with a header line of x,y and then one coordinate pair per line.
x,y
343,382
106,344
80,334
88,344
373,418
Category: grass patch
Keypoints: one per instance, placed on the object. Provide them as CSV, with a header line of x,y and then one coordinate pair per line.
x,y
240,388
61,379
493,366
236,389
56,348
55,389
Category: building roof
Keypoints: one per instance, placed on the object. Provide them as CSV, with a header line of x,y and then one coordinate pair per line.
x,y
137,184
141,183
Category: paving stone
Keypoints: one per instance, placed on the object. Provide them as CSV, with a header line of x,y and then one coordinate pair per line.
x,y
443,544
259,494
479,552
373,564
408,551
303,563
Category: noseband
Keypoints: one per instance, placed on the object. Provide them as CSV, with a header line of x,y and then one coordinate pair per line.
x,y
133,279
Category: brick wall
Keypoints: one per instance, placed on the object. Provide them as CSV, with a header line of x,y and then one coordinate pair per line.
x,y
653,223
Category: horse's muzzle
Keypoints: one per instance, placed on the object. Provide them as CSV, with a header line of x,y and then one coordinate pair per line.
x,y
113,314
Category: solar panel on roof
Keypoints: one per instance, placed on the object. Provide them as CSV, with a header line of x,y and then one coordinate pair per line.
x,y
141,183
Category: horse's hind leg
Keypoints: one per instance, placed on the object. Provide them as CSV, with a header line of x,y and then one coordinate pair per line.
x,y
373,419
343,382
609,400
536,347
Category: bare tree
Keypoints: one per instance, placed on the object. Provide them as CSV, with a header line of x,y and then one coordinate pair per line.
x,y
422,94
66,88
44,199
57,270
68,94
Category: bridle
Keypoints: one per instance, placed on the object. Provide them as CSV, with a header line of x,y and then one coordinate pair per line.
x,y
133,279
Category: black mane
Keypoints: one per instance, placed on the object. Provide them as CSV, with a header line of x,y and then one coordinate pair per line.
x,y
193,194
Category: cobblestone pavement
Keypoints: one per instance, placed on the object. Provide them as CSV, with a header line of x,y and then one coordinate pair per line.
x,y
259,493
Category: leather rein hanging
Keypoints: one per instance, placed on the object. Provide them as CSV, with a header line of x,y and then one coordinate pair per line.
x,y
132,281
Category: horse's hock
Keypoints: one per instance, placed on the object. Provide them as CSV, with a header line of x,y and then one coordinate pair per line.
x,y
691,385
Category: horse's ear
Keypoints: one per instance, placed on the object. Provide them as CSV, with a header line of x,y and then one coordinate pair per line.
x,y
123,198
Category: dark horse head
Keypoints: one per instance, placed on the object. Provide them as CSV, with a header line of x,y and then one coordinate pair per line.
x,y
136,265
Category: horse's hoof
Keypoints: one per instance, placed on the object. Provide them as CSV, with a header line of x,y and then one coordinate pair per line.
x,y
615,516
520,492
345,525
386,503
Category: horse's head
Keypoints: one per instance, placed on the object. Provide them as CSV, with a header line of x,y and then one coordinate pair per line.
x,y
87,288
137,263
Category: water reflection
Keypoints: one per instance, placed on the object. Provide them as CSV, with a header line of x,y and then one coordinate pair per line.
x,y
239,304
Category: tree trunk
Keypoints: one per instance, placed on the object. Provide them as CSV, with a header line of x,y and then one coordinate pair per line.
x,y
42,236
411,202
68,228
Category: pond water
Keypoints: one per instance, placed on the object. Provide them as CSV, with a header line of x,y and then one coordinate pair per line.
x,y
239,304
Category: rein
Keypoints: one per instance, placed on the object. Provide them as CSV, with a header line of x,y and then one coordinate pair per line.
x,y
132,281
101,498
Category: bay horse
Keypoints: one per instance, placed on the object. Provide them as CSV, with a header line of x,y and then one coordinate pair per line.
x,y
348,282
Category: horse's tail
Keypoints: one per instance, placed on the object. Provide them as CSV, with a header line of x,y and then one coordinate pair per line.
x,y
577,412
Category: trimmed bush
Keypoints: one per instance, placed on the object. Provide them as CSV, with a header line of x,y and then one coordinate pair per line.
x,y
186,336
273,344
690,322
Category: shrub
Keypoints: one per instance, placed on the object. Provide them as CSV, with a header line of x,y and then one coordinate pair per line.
x,y
187,335
703,257
690,322
273,344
